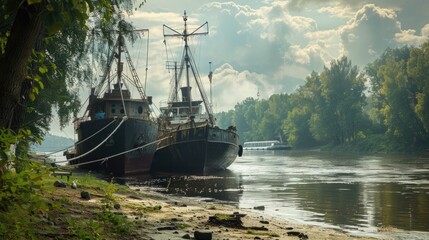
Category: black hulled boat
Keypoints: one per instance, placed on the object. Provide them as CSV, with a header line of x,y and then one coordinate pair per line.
x,y
190,141
117,133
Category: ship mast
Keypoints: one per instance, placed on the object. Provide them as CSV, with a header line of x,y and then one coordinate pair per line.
x,y
121,47
189,66
187,62
120,63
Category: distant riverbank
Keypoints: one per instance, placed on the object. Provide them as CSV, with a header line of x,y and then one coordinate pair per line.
x,y
375,144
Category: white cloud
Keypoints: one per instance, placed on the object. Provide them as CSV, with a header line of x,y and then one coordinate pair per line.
x,y
410,37
425,30
369,33
299,5
338,11
231,86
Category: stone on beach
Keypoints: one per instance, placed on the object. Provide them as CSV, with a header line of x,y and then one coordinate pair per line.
x,y
85,195
60,184
203,235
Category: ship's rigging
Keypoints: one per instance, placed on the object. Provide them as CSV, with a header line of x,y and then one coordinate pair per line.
x,y
187,67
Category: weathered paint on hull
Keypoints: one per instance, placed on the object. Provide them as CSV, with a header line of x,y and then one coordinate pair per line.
x,y
201,149
131,134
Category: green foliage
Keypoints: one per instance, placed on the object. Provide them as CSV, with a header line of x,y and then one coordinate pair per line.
x,y
418,71
19,188
148,209
14,148
86,229
333,108
3,40
120,224
20,204
400,95
343,100
225,119
297,128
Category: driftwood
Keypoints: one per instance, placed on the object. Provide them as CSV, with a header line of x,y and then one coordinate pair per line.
x,y
232,221
227,220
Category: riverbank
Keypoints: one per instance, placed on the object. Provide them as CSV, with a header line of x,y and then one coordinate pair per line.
x,y
95,209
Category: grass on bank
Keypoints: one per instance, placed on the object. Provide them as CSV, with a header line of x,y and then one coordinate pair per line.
x,y
31,207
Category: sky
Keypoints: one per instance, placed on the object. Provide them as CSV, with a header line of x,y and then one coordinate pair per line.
x,y
265,47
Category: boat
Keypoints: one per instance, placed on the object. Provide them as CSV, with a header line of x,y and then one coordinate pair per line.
x,y
190,140
117,133
266,145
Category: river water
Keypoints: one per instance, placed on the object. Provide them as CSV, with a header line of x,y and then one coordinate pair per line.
x,y
379,196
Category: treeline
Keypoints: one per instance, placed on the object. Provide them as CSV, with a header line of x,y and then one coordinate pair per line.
x,y
384,107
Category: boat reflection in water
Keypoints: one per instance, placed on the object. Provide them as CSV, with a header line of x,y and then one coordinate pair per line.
x,y
223,185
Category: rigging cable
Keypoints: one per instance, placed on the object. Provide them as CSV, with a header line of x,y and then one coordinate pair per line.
x,y
147,60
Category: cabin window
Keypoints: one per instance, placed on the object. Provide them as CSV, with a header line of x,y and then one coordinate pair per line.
x,y
140,109
195,110
113,108
183,111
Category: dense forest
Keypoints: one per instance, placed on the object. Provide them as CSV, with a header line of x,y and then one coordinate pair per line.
x,y
382,108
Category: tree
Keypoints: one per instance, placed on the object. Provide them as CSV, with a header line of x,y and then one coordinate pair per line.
x,y
377,99
418,71
342,90
401,119
276,114
306,102
42,43
400,93
225,119
245,119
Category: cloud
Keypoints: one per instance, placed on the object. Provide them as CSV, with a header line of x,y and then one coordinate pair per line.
x,y
299,5
410,37
369,33
231,86
338,11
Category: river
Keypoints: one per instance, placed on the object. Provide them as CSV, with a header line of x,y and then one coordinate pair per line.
x,y
383,196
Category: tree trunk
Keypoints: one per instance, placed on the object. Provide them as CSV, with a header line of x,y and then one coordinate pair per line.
x,y
23,36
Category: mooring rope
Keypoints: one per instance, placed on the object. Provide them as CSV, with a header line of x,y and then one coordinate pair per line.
x,y
77,143
90,151
121,153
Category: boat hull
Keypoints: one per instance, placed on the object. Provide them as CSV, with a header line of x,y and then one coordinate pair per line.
x,y
199,149
131,134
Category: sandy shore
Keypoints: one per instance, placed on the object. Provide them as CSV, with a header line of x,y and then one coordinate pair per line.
x,y
196,215
158,216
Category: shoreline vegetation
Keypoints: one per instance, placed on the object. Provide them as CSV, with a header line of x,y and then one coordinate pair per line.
x,y
44,206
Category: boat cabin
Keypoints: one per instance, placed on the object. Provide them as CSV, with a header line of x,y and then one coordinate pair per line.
x,y
178,112
113,102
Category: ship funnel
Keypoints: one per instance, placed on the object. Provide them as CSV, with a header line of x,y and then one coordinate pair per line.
x,y
186,93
